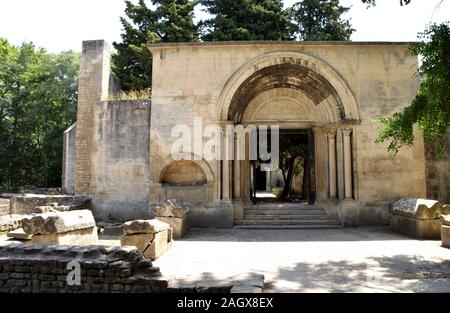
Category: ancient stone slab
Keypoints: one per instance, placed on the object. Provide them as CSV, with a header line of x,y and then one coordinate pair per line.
x,y
445,236
172,208
19,234
144,227
180,226
445,219
58,222
419,208
80,237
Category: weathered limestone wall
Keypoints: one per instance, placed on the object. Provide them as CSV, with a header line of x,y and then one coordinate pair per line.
x,y
189,79
438,173
4,207
43,269
112,144
120,165
69,159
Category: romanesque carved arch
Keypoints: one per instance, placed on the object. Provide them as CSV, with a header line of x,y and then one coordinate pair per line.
x,y
339,92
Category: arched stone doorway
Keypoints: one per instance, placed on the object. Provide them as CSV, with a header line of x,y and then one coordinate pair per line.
x,y
297,92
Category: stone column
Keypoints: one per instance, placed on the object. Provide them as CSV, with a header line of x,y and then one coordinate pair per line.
x,y
227,151
347,163
236,172
332,162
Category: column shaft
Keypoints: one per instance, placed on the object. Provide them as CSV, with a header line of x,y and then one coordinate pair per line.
x,y
348,164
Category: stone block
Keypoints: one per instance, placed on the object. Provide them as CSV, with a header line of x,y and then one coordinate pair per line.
x,y
140,241
417,228
152,246
445,236
348,213
80,237
172,208
180,226
58,222
144,227
159,245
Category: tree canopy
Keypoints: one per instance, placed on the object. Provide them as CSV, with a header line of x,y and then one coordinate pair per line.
x,y
38,95
246,20
168,21
431,107
321,20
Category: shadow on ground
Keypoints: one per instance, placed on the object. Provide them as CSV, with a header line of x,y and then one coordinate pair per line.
x,y
399,273
294,235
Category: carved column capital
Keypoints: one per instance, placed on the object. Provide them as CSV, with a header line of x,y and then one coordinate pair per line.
x,y
347,131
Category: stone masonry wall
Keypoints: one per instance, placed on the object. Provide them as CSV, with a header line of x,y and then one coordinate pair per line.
x,y
38,268
69,159
438,172
93,86
120,187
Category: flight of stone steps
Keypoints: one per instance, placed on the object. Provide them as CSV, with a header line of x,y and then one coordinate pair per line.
x,y
286,215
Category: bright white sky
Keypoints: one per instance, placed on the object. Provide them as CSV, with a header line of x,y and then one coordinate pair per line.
x,y
62,24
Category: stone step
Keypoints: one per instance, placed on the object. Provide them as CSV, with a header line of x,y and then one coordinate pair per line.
x,y
285,212
284,217
287,227
286,222
289,205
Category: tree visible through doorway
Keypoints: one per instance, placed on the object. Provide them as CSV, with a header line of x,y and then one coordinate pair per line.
x,y
293,158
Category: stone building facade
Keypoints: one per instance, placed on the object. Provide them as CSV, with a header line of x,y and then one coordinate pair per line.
x,y
333,92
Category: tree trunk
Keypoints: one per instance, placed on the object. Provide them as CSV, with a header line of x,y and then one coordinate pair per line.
x,y
306,180
290,174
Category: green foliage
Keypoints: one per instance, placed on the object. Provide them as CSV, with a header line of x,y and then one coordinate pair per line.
x,y
167,21
245,20
38,94
133,95
321,20
431,107
373,2
292,154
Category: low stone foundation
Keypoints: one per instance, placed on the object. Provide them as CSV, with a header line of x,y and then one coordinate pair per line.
x,y
39,268
102,269
33,203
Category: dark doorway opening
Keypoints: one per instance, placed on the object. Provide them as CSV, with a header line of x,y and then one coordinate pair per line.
x,y
302,186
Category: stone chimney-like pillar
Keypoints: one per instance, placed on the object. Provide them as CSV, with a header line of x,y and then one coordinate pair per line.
x,y
93,87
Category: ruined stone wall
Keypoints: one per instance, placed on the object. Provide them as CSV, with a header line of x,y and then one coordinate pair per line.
x,y
39,268
119,187
112,141
4,207
69,159
438,172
